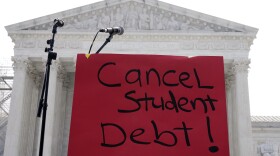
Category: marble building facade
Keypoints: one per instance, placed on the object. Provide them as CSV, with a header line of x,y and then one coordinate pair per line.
x,y
151,27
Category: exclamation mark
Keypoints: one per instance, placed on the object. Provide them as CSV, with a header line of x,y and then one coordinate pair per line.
x,y
212,149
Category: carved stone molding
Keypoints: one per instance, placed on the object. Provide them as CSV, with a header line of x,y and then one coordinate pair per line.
x,y
23,63
268,148
76,42
127,36
135,16
241,65
34,74
238,66
20,62
229,78
61,72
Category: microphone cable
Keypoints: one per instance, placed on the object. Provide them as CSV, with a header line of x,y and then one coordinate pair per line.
x,y
92,42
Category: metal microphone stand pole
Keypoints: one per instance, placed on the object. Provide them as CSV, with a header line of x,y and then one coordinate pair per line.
x,y
104,44
43,103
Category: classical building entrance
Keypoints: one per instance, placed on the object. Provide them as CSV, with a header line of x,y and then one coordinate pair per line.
x,y
151,27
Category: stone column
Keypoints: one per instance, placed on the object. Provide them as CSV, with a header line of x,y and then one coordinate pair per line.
x,y
55,111
69,89
33,120
64,78
21,123
241,109
229,79
37,134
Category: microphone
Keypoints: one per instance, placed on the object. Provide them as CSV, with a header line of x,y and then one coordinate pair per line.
x,y
113,30
58,23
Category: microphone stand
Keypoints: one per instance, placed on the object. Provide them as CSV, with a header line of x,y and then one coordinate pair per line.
x,y
43,103
104,44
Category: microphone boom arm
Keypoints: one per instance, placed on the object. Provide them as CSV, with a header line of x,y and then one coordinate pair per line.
x,y
104,44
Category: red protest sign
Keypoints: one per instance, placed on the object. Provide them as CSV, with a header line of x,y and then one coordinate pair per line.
x,y
148,105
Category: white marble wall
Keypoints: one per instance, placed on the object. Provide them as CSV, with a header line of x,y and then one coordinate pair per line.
x,y
266,136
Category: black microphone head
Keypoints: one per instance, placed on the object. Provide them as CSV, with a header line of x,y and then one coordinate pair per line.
x,y
120,30
58,23
113,30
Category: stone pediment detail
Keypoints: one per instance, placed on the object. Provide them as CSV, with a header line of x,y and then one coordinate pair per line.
x,y
135,15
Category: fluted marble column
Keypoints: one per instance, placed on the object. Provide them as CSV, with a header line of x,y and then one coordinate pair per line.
x,y
69,88
55,111
241,109
229,79
22,116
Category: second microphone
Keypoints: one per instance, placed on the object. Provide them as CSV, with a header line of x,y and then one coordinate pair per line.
x,y
113,30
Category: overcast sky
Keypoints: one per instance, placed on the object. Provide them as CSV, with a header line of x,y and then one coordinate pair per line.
x,y
264,74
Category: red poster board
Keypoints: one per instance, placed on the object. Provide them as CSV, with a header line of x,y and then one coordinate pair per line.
x,y
148,105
